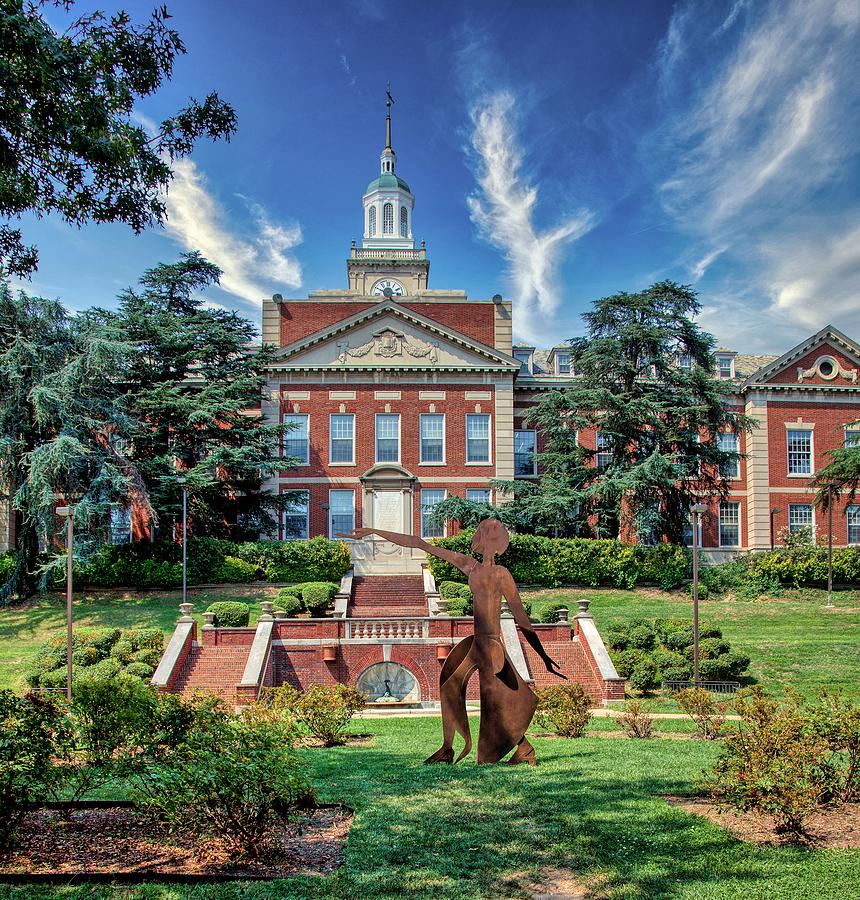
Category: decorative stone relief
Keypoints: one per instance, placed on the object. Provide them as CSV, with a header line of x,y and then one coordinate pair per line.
x,y
828,368
388,344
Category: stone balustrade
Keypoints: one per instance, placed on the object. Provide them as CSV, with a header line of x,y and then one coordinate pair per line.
x,y
387,629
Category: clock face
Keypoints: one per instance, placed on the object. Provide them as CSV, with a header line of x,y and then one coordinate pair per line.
x,y
388,287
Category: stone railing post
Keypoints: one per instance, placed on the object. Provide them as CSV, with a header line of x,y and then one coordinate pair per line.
x,y
563,614
208,620
267,608
583,610
185,612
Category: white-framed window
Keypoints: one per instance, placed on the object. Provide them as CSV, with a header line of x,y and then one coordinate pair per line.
x,y
801,519
852,515
404,222
603,457
119,526
688,532
563,363
341,438
388,437
297,438
295,520
479,495
852,438
432,433
727,441
341,512
523,357
524,453
726,366
685,362
429,498
388,218
478,438
730,524
371,221
799,452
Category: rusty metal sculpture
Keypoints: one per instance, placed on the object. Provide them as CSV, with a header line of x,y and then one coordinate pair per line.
x,y
507,702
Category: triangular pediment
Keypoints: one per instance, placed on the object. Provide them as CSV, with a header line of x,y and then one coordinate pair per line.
x,y
390,336
828,358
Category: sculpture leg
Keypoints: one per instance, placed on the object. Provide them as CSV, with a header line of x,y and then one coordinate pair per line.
x,y
507,707
524,753
452,691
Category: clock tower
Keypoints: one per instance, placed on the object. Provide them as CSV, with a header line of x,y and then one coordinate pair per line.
x,y
387,264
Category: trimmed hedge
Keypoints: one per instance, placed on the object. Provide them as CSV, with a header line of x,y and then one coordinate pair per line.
x,y
230,614
316,596
144,565
557,562
97,653
289,602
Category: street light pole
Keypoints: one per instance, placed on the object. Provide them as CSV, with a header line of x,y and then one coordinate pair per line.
x,y
830,547
698,509
181,480
68,513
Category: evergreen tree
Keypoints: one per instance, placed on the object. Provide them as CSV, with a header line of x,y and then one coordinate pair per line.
x,y
193,384
59,422
69,143
658,422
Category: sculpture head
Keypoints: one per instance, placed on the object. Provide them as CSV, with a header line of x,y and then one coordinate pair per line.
x,y
491,539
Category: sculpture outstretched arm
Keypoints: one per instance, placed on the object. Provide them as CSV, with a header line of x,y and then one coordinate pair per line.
x,y
512,595
459,560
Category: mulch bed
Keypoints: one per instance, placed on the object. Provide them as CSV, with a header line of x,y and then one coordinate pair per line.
x,y
829,829
120,841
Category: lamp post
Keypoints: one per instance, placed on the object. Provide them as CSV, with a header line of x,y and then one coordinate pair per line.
x,y
773,513
68,513
181,480
698,509
830,546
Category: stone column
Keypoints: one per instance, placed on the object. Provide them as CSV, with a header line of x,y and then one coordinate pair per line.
x,y
758,475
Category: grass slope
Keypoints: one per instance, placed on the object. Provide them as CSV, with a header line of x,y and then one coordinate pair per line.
x,y
592,808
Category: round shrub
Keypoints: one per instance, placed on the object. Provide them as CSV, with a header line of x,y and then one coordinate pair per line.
x,y
84,656
150,657
139,670
642,637
617,640
451,589
459,606
144,638
627,660
235,571
230,614
317,595
737,664
100,638
106,668
123,650
643,678
680,640
710,648
678,673
56,679
289,603
549,613
563,709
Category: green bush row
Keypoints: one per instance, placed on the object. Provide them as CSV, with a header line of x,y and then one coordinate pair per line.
x,y
556,562
212,561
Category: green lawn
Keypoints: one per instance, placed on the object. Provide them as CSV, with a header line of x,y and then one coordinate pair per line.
x,y
593,808
791,640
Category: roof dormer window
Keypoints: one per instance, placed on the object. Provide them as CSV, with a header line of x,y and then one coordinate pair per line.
x,y
562,361
524,357
726,366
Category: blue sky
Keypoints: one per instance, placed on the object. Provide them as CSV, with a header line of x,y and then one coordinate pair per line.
x,y
558,151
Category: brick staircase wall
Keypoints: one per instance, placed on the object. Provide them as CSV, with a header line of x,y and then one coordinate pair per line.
x,y
214,669
387,596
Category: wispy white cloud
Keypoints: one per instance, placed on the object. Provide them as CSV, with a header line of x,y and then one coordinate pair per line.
x,y
759,133
503,210
255,261
344,64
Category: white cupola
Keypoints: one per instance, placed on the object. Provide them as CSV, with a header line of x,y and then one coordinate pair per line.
x,y
388,202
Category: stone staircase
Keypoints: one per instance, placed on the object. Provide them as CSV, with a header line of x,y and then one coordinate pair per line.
x,y
216,670
387,596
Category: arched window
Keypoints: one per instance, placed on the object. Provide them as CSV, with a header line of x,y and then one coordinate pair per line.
x,y
404,222
371,221
388,218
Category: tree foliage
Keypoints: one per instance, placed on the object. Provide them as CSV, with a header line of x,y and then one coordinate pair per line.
x,y
659,422
193,386
841,474
69,141
59,417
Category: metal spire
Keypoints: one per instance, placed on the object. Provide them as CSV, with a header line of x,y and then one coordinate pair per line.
x,y
389,100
